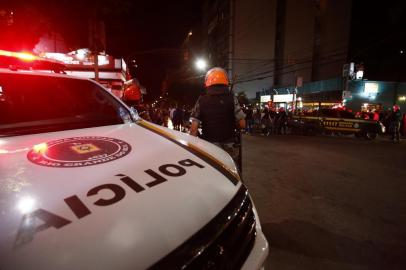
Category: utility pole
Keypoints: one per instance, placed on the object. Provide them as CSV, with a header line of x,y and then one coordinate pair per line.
x,y
96,40
96,65
231,36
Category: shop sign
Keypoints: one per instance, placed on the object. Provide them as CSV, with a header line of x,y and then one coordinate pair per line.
x,y
265,98
283,98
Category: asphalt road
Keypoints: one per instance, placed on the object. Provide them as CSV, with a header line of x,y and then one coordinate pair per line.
x,y
329,202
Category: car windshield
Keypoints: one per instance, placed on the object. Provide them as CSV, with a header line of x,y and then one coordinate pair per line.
x,y
34,104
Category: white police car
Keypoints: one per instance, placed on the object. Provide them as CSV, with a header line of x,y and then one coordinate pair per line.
x,y
85,184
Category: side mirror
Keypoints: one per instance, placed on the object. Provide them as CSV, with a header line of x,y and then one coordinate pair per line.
x,y
134,114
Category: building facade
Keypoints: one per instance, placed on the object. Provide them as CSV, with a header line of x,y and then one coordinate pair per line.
x,y
267,44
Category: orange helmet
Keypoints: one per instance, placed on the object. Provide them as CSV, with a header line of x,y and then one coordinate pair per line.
x,y
216,76
132,93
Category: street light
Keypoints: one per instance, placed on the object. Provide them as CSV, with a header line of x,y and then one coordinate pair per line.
x,y
201,64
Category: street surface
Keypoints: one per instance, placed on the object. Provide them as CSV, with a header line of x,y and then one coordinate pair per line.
x,y
329,202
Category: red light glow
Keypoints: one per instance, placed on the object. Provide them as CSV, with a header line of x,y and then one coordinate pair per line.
x,y
20,55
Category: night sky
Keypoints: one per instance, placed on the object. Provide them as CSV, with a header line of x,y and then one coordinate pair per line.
x,y
378,38
133,27
153,25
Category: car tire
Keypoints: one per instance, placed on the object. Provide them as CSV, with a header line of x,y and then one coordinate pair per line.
x,y
359,135
370,135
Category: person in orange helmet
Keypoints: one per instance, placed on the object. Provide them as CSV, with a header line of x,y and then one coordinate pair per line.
x,y
218,111
132,92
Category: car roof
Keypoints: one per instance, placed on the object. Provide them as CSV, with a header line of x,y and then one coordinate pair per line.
x,y
39,73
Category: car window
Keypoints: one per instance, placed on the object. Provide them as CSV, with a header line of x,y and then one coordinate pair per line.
x,y
329,113
348,115
33,104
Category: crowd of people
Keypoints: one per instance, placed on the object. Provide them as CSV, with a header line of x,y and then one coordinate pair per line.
x,y
267,121
270,121
176,117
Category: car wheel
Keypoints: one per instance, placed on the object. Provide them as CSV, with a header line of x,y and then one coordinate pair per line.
x,y
359,135
370,135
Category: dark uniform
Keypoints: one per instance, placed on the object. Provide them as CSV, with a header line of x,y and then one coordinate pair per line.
x,y
218,111
395,120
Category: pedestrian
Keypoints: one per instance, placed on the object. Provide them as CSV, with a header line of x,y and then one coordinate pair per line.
x,y
386,119
395,120
375,115
186,119
265,122
165,117
249,119
178,115
158,117
282,121
272,116
218,112
171,112
257,119
364,115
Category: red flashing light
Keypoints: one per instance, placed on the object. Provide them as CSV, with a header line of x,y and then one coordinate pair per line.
x,y
24,56
26,60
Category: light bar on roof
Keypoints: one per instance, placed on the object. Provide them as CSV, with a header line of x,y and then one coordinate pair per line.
x,y
20,55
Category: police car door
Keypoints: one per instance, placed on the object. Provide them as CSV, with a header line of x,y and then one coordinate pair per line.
x,y
348,123
329,120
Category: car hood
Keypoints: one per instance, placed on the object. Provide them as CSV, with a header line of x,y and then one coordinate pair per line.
x,y
151,191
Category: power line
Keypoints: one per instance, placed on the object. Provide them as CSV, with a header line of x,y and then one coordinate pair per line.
x,y
285,67
283,73
304,61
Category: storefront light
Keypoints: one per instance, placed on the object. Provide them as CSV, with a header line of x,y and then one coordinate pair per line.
x,y
402,98
283,98
371,88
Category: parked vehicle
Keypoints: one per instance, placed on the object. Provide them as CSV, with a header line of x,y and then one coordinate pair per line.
x,y
335,121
